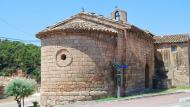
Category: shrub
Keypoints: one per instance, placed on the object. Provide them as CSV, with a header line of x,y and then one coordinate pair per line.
x,y
20,88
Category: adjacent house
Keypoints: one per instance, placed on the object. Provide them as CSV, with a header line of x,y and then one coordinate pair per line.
x,y
172,57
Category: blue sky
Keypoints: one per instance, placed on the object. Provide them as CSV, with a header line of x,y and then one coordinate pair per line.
x,y
22,19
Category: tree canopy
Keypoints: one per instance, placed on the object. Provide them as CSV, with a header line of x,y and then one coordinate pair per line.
x,y
20,88
15,54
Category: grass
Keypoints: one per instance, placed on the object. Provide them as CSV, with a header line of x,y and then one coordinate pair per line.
x,y
182,88
146,93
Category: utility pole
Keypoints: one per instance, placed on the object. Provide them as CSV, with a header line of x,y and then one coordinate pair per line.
x,y
118,74
117,79
118,85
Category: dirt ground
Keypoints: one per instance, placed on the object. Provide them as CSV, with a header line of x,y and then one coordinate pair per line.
x,y
4,99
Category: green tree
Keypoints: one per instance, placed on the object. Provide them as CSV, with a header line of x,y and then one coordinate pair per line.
x,y
14,54
20,88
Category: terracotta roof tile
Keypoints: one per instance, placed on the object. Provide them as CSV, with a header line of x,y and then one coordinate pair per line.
x,y
88,23
172,38
81,25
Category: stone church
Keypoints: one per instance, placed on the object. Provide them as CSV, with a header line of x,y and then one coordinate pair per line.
x,y
77,53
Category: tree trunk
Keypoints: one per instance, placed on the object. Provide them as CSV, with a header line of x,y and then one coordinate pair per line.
x,y
19,103
23,102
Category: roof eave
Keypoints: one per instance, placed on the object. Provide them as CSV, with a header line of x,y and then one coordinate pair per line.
x,y
40,35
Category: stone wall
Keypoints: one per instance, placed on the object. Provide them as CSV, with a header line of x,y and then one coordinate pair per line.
x,y
76,67
175,63
139,54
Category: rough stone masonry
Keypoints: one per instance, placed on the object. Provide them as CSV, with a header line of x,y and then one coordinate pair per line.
x,y
76,58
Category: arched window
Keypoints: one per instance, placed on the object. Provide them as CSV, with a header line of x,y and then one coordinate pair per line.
x,y
117,16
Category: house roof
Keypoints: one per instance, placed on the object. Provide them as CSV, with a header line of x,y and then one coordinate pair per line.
x,y
86,21
176,38
81,25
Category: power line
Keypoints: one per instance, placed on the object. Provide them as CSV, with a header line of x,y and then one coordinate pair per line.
x,y
12,26
18,29
2,36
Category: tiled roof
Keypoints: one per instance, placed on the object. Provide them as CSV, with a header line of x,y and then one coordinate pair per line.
x,y
92,14
81,25
172,38
91,22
